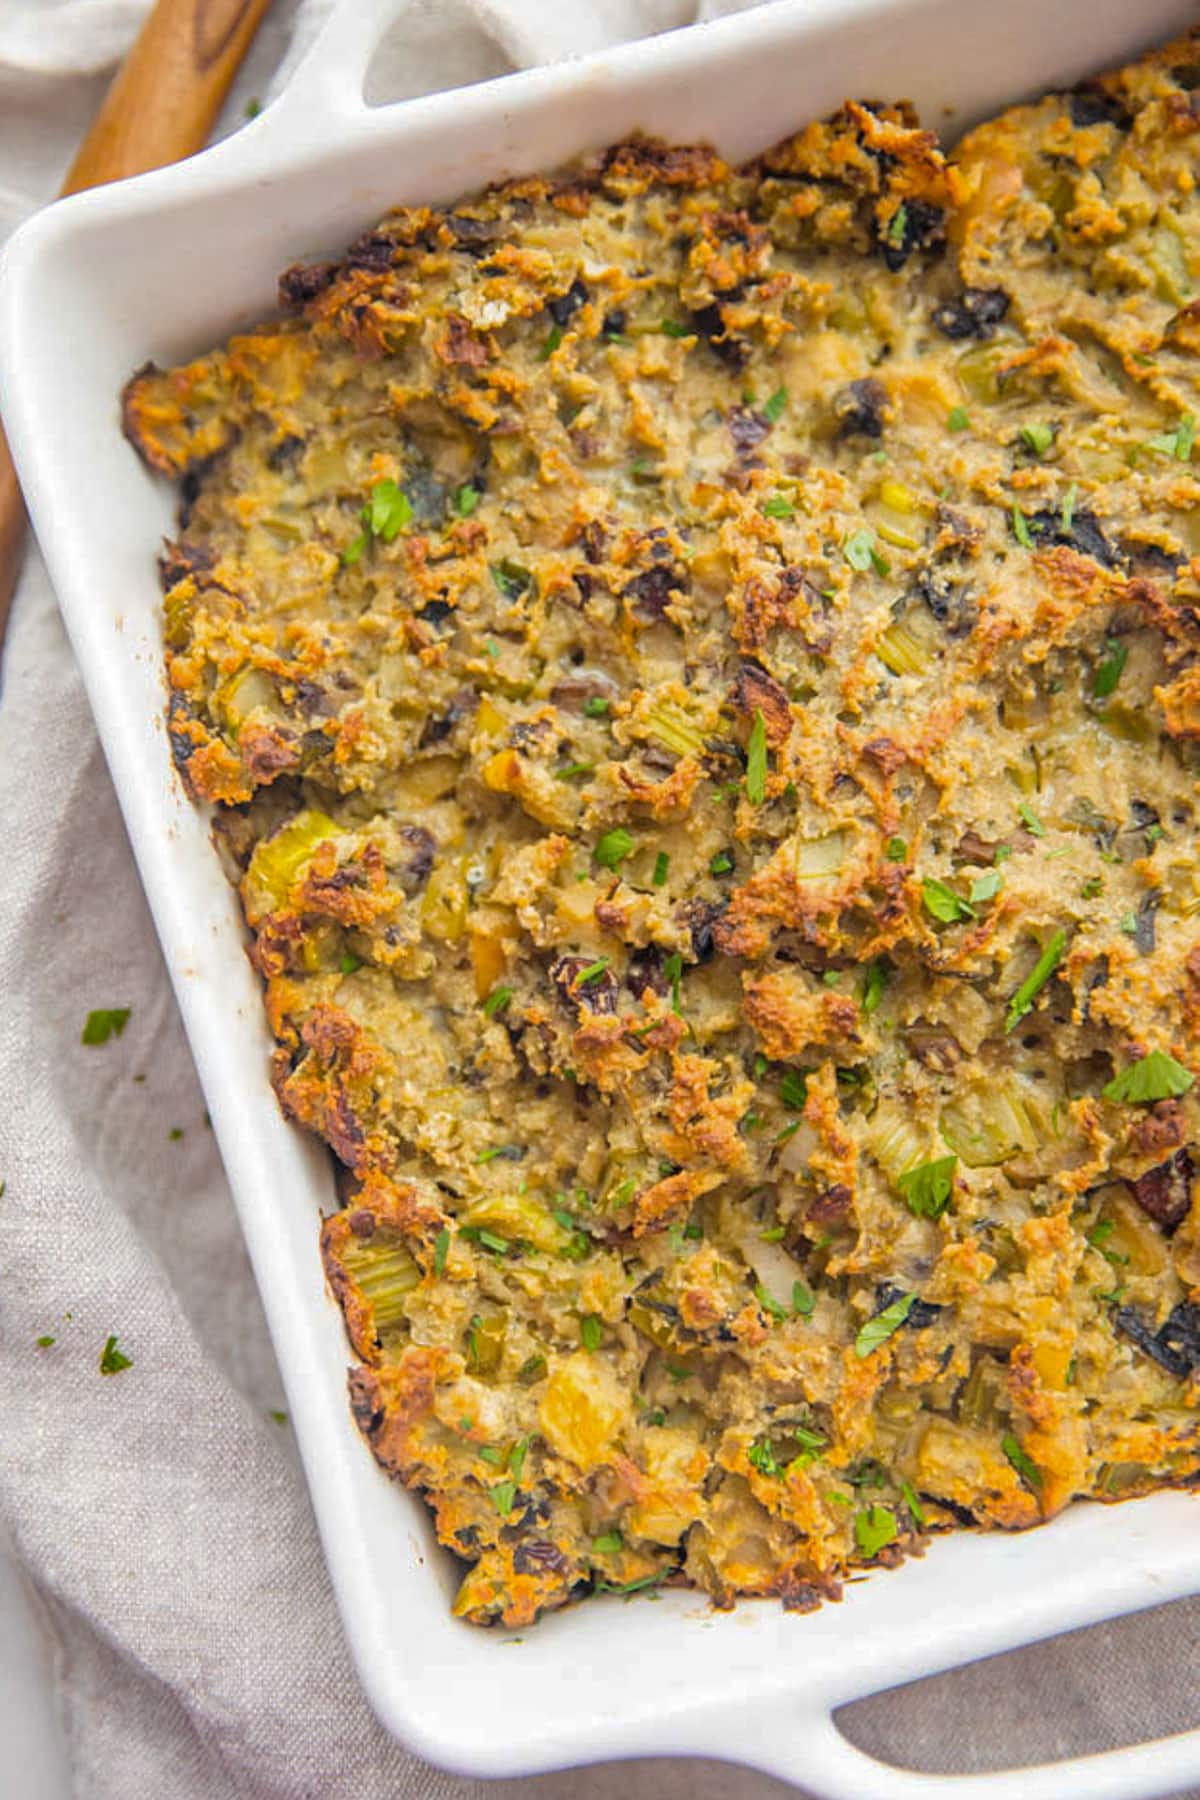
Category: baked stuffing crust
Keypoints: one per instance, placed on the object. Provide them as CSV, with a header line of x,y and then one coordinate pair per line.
x,y
697,668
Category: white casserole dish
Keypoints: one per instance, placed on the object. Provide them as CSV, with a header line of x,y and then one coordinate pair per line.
x,y
169,264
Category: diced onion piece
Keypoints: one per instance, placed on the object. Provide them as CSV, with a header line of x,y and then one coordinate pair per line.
x,y
819,859
278,860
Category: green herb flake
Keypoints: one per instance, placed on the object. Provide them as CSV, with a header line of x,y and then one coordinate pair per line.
x,y
1020,527
673,328
107,1022
896,849
756,760
803,1300
388,512
354,550
986,887
554,338
877,977
441,1248
927,1188
778,506
1030,819
490,1454
573,769
348,962
608,1544
1027,1470
768,1302
593,972
774,1234
1035,981
466,499
876,1331
772,408
957,419
112,1360
613,848
511,578
595,706
673,971
1154,1077
1110,668
761,1457
503,1495
916,1511
497,1001
252,109
1038,438
1177,443
1067,511
1091,887
591,1331
662,863
942,903
897,226
793,1090
721,864
874,1529
44,1343
516,1458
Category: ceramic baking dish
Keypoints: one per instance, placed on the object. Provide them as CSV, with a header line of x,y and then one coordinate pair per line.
x,y
166,265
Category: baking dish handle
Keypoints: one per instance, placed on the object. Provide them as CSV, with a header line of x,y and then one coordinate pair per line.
x,y
326,91
814,1753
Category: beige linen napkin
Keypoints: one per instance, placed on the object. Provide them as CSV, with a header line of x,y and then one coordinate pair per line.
x,y
158,1515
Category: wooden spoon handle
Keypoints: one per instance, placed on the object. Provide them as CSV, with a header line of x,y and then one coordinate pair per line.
x,y
159,108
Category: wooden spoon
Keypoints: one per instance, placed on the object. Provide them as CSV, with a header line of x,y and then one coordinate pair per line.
x,y
159,109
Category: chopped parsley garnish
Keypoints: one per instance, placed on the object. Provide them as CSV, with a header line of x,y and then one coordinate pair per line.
x,y
662,863
721,864
673,328
673,971
512,578
107,1022
942,903
573,769
986,887
1037,439
774,1234
44,1343
756,760
1020,526
957,419
466,499
860,552
112,1360
1002,853
803,1300
768,1302
591,1331
609,1544
876,1331
613,848
897,226
1067,513
593,972
772,408
1091,887
388,512
896,849
877,977
778,506
490,1454
793,1090
761,1457
1110,668
348,962
1036,979
1177,443
1154,1077
497,1000
595,706
916,1511
441,1247
1027,1470
554,338
504,1495
630,1587
516,1458
1030,819
927,1188
354,549
874,1529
